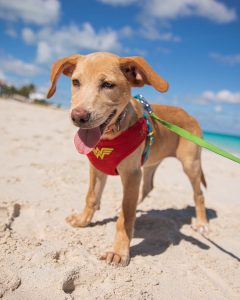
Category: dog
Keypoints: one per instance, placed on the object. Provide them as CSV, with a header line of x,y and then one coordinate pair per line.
x,y
103,109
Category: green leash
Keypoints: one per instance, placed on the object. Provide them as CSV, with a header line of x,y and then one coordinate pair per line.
x,y
186,134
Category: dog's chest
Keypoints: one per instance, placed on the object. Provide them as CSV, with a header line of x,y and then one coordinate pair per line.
x,y
109,153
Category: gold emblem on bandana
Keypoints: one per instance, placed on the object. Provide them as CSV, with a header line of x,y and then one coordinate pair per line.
x,y
100,153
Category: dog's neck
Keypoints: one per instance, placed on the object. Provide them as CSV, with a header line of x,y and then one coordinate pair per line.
x,y
129,116
116,126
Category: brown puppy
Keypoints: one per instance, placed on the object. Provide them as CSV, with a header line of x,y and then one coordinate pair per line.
x,y
101,90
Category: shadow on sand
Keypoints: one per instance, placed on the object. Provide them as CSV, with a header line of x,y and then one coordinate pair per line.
x,y
161,228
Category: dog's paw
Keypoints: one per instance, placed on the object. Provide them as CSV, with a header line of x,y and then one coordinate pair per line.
x,y
115,259
201,228
79,220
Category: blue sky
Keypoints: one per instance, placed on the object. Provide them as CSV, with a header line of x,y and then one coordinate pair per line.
x,y
194,44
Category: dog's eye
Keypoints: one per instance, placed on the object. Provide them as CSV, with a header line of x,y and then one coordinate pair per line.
x,y
76,82
107,85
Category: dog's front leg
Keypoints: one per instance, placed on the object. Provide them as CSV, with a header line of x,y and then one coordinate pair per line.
x,y
119,254
96,186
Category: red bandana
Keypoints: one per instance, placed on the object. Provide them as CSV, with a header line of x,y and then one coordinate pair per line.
x,y
109,153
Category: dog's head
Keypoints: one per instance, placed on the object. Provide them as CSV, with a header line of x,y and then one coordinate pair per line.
x,y
101,85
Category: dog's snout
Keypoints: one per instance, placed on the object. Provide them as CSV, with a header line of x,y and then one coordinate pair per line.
x,y
80,116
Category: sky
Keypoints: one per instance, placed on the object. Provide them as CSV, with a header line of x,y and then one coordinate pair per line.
x,y
193,44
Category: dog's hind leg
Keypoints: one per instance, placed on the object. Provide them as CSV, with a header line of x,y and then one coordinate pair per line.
x,y
147,182
191,163
96,186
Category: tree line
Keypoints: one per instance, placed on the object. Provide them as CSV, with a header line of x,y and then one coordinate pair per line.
x,y
24,90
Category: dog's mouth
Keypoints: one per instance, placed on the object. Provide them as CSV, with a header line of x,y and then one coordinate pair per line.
x,y
86,139
104,125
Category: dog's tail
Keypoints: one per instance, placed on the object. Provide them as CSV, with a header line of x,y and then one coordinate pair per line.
x,y
203,180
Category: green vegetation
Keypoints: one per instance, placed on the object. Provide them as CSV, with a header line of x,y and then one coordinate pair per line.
x,y
23,94
41,102
9,90
26,90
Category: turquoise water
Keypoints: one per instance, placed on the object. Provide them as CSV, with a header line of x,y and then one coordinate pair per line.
x,y
227,142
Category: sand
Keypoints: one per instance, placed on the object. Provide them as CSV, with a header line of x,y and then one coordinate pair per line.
x,y
43,179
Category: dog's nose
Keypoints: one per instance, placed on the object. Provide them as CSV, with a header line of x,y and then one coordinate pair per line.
x,y
80,116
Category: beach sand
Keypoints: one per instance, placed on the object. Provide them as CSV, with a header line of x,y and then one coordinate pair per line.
x,y
43,179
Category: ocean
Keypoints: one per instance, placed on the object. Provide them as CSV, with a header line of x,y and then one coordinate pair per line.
x,y
230,143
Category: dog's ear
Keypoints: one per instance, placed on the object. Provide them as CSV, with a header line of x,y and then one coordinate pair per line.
x,y
139,72
66,66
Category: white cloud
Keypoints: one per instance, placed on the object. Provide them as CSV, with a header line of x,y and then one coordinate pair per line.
x,y
126,31
152,12
2,75
221,96
218,108
44,52
28,35
43,88
159,12
118,2
16,66
38,12
67,40
163,50
11,32
150,31
213,10
232,60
